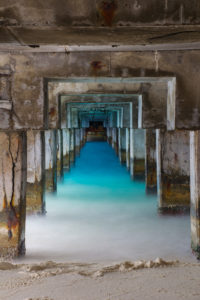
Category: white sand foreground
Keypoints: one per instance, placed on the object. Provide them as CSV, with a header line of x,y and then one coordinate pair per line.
x,y
138,280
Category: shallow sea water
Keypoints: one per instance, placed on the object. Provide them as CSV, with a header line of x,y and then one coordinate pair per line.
x,y
99,214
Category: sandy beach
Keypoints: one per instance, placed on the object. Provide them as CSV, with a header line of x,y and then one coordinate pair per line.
x,y
156,279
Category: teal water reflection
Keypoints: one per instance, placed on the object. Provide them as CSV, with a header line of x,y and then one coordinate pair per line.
x,y
100,214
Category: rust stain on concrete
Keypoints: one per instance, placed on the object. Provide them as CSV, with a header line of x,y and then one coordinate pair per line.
x,y
107,10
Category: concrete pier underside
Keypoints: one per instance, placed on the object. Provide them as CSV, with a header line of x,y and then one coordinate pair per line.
x,y
61,73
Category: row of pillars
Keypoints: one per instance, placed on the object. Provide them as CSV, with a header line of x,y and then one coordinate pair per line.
x,y
169,162
31,162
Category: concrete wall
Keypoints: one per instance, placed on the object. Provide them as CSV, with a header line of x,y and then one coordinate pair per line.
x,y
27,72
99,12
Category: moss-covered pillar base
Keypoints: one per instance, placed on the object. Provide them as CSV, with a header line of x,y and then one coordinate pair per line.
x,y
51,160
66,149
13,166
195,191
173,170
150,162
128,148
35,172
72,146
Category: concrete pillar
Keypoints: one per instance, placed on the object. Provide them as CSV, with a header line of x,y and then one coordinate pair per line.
x,y
59,153
128,148
77,141
173,170
109,135
122,145
72,146
137,154
115,139
13,166
66,149
50,160
195,191
35,203
81,137
150,162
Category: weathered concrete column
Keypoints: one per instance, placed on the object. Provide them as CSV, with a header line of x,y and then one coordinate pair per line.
x,y
66,148
35,203
77,141
115,139
51,160
128,148
109,135
173,170
59,153
137,153
13,166
150,162
122,145
82,137
195,191
72,146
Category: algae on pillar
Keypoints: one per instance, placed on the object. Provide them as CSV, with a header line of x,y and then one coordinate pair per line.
x,y
150,162
173,170
13,166
195,191
35,172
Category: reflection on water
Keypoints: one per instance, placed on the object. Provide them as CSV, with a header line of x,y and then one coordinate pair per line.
x,y
99,214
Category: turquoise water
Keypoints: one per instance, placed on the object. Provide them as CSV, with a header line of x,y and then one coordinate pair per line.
x,y
100,214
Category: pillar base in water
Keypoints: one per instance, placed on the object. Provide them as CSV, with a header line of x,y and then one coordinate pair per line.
x,y
137,167
151,190
174,210
34,198
50,180
66,162
195,236
122,156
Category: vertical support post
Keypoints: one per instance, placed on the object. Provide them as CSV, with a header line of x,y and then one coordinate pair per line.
x,y
122,145
115,139
66,149
13,166
173,177
51,160
59,154
137,154
195,191
72,146
109,135
77,142
128,148
35,172
150,162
